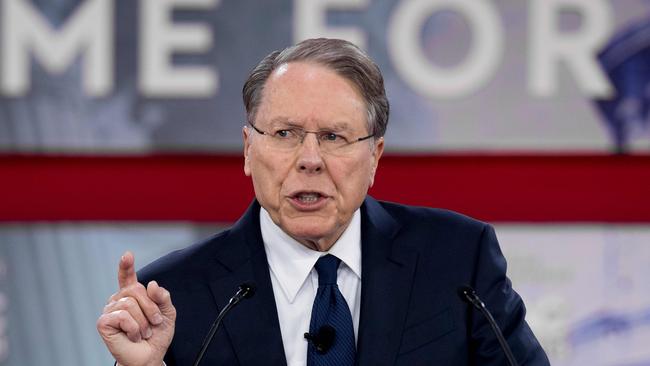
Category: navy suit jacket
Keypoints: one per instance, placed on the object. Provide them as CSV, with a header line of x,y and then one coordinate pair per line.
x,y
413,260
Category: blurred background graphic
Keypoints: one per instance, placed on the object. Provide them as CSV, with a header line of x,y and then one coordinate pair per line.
x,y
120,128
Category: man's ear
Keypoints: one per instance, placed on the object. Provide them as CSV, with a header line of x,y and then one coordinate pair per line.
x,y
376,155
246,136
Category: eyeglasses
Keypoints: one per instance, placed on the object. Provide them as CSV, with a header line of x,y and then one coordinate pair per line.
x,y
287,139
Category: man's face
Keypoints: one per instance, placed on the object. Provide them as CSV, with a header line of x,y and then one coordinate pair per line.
x,y
310,194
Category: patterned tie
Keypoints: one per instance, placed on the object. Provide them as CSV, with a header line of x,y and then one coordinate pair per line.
x,y
331,309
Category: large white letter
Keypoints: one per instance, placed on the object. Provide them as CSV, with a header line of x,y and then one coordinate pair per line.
x,y
549,46
404,46
160,38
89,29
310,20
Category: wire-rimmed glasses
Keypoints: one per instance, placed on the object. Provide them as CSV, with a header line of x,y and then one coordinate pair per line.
x,y
330,142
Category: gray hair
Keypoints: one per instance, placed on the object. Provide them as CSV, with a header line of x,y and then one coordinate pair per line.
x,y
340,56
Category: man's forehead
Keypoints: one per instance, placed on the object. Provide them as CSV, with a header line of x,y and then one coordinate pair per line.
x,y
302,69
281,70
311,96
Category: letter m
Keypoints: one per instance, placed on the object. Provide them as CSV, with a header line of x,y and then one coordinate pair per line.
x,y
25,33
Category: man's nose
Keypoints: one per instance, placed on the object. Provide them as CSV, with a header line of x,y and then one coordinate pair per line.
x,y
310,159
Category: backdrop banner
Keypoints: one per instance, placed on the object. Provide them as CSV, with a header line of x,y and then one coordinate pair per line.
x,y
120,128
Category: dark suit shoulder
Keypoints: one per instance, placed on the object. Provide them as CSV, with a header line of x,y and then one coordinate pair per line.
x,y
436,222
444,216
172,268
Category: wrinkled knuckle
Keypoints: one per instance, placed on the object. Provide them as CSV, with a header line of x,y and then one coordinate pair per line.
x,y
113,297
126,321
108,307
128,302
119,314
101,321
123,316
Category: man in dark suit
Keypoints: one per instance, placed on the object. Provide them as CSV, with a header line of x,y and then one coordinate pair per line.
x,y
380,278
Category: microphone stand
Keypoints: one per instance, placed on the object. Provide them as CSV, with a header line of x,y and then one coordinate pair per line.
x,y
246,290
468,294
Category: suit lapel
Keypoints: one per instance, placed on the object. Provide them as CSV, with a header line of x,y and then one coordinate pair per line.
x,y
253,327
387,272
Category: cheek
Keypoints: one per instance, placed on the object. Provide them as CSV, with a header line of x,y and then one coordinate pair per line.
x,y
353,178
269,171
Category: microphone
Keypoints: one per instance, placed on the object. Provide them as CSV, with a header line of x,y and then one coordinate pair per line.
x,y
246,291
323,339
468,294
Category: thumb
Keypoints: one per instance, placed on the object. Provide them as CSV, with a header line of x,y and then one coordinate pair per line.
x,y
163,299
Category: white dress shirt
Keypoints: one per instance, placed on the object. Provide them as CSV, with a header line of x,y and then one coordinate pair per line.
x,y
295,280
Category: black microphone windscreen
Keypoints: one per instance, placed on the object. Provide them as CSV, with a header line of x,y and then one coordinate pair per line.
x,y
466,293
248,288
327,334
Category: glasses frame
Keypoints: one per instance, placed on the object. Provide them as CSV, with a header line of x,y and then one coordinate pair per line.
x,y
261,132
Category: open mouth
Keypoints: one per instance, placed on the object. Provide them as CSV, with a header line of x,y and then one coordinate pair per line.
x,y
308,200
307,197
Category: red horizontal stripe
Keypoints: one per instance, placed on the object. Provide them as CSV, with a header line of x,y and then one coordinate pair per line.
x,y
206,188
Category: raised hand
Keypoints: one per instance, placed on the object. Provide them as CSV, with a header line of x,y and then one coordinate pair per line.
x,y
137,324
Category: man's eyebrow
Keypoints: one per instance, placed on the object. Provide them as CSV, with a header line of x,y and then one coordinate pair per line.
x,y
340,126
286,122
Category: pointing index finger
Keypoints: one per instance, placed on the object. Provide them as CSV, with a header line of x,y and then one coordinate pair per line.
x,y
126,273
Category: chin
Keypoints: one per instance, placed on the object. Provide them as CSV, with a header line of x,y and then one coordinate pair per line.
x,y
309,229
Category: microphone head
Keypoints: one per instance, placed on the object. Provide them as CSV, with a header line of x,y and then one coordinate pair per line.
x,y
466,293
327,334
248,289
325,338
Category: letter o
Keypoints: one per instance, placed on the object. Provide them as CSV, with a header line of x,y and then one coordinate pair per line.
x,y
426,78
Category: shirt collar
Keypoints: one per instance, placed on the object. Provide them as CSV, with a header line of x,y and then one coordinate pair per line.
x,y
291,261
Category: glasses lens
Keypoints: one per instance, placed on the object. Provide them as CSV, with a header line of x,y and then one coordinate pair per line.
x,y
286,139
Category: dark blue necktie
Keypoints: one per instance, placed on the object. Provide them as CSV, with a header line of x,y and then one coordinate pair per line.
x,y
331,309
